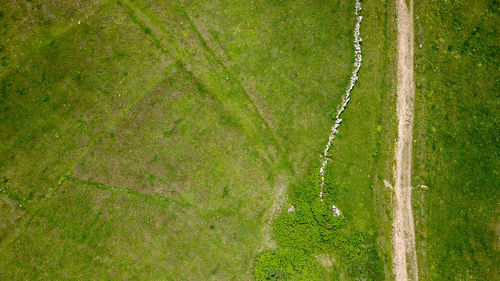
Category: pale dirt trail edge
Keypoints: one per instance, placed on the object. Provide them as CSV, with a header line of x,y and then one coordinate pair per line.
x,y
404,254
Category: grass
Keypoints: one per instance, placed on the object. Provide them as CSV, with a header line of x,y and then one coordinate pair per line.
x,y
152,139
457,139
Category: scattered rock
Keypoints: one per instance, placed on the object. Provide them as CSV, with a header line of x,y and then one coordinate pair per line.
x,y
388,184
345,99
336,211
325,260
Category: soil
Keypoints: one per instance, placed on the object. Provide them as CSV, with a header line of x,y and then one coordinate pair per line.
x,y
404,253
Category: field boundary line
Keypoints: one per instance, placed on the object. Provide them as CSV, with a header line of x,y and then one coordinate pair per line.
x,y
345,100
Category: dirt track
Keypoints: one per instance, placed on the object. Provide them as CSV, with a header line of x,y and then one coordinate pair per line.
x,y
404,254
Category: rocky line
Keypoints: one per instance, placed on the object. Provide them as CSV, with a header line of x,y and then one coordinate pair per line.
x,y
345,100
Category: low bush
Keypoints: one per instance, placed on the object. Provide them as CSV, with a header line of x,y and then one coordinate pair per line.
x,y
287,264
309,230
312,229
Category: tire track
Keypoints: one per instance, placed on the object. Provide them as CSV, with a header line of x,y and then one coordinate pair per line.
x,y
404,253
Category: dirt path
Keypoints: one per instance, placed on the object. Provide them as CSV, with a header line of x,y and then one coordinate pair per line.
x,y
404,254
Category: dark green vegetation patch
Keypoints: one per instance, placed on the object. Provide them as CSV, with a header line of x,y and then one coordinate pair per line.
x,y
287,264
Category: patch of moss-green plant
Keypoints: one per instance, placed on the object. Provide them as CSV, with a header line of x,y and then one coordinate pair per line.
x,y
287,264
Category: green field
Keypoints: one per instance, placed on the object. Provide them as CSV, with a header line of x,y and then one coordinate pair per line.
x,y
457,140
165,140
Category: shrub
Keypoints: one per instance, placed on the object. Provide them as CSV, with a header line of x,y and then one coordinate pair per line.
x,y
287,264
298,230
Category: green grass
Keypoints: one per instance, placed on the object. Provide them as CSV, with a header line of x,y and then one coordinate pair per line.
x,y
456,151
152,140
27,26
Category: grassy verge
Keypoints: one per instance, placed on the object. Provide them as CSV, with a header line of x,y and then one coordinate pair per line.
x,y
456,151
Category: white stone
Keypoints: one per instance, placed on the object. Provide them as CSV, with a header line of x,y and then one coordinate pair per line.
x,y
345,99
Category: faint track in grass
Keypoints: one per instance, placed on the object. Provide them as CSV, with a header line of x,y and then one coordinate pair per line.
x,y
58,182
242,106
240,103
404,253
223,66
